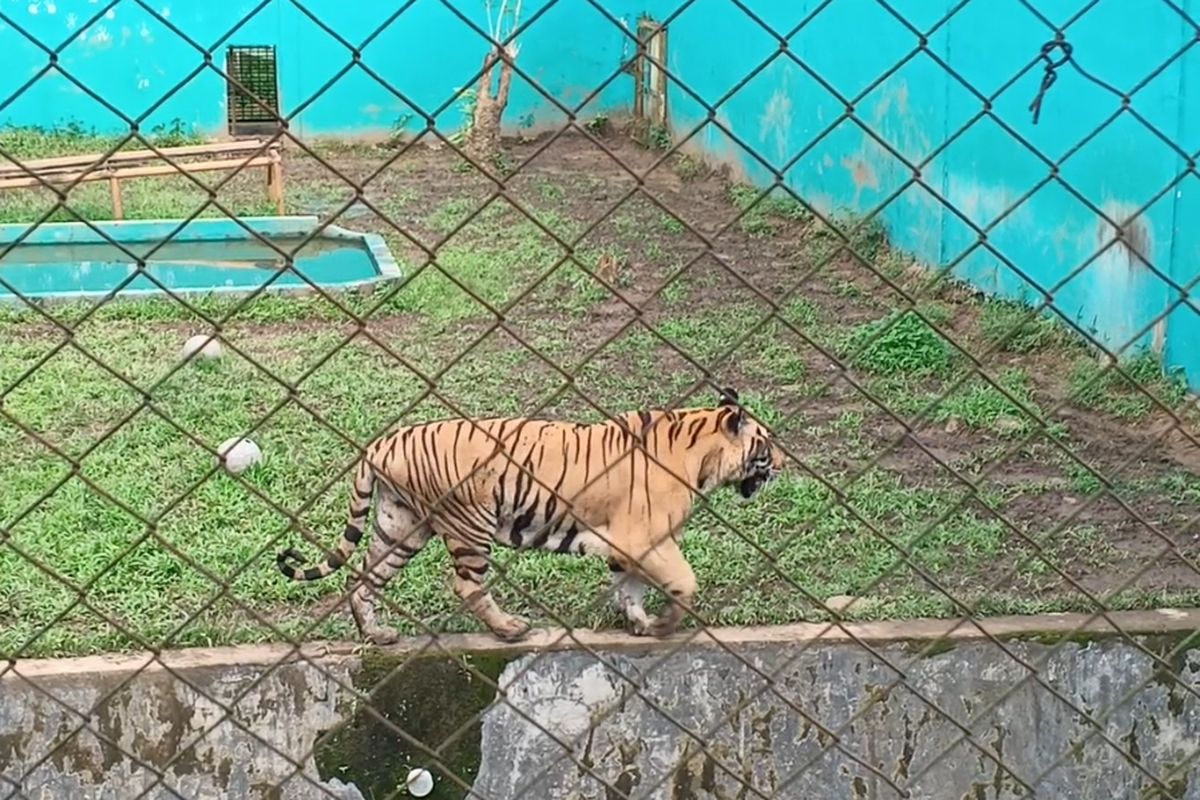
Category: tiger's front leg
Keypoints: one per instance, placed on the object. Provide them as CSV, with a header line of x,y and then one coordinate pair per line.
x,y
471,564
665,567
630,593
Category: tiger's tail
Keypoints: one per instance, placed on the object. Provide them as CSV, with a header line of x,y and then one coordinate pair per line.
x,y
291,562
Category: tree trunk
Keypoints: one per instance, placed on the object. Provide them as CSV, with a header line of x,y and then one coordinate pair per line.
x,y
483,142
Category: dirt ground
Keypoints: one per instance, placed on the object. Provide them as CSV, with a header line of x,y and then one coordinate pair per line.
x,y
598,284
1140,501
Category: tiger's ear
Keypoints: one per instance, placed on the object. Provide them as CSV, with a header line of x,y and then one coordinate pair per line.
x,y
734,421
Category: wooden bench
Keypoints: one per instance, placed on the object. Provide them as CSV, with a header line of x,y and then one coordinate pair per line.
x,y
236,155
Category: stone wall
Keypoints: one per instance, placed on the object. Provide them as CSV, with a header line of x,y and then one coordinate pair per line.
x,y
802,711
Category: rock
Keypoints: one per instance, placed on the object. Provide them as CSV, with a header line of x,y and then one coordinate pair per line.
x,y
1007,424
840,602
953,424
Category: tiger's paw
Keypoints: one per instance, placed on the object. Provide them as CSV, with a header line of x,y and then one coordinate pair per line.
x,y
512,629
662,626
381,636
638,626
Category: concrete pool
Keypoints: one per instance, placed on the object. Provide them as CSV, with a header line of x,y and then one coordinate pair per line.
x,y
67,260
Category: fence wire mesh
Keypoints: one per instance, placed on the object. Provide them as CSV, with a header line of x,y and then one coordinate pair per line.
x,y
949,454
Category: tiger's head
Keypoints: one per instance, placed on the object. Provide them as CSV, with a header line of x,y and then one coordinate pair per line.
x,y
748,457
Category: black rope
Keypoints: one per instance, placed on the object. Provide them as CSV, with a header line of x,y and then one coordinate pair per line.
x,y
1050,75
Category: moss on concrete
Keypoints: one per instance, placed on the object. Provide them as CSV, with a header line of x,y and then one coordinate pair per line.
x,y
422,711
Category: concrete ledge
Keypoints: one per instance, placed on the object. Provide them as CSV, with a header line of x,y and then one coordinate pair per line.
x,y
1138,623
591,710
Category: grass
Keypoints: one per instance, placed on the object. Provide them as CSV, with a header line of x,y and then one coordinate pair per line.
x,y
1140,386
902,343
203,573
72,138
763,217
981,404
1017,329
143,198
226,535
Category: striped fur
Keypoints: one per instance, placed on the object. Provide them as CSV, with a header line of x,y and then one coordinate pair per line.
x,y
621,490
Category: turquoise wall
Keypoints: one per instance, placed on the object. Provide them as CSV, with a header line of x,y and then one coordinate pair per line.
x,y
788,117
133,61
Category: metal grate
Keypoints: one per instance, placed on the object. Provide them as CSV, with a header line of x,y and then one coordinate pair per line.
x,y
931,473
252,89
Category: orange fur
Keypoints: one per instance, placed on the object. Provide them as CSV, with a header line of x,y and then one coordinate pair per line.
x,y
621,490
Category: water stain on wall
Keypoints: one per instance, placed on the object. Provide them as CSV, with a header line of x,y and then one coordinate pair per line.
x,y
435,700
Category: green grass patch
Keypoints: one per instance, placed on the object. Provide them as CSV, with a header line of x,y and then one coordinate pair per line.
x,y
73,138
856,238
1093,386
982,404
763,216
1018,328
900,343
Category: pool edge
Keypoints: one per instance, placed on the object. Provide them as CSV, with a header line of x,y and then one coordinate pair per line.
x,y
384,264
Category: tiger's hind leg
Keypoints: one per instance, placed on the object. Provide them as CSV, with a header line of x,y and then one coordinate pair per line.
x,y
629,592
398,536
471,564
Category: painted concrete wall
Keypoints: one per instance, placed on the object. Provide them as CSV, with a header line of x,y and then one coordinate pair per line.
x,y
631,718
791,115
133,62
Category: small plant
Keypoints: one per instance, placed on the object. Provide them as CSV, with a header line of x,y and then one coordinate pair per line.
x,y
175,133
907,345
503,163
675,292
760,211
658,138
689,167
450,214
869,239
599,125
1105,389
1018,328
467,98
550,192
399,128
754,217
980,404
1083,480
857,238
671,224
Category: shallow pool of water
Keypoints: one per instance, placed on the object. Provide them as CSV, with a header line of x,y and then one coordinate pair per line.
x,y
78,262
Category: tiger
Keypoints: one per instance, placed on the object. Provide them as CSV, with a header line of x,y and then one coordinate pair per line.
x,y
620,490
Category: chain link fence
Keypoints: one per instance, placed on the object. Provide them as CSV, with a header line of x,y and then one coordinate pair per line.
x,y
970,434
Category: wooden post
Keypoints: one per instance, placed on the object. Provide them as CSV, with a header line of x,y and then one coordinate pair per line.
x,y
275,178
114,188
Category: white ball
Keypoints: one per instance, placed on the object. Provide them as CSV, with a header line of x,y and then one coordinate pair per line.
x,y
419,782
202,345
240,454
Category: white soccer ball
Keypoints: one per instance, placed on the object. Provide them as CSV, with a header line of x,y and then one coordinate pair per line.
x,y
203,346
239,454
419,782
